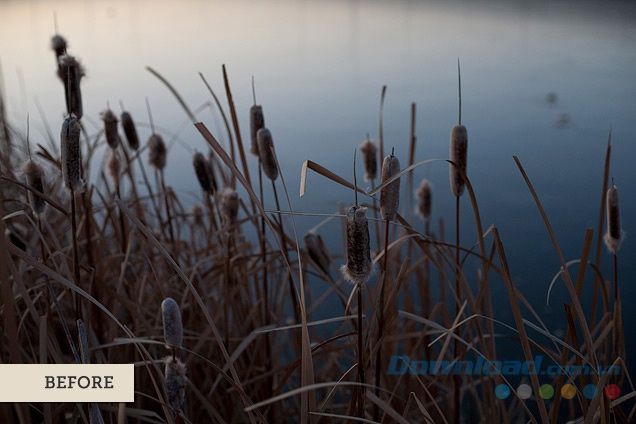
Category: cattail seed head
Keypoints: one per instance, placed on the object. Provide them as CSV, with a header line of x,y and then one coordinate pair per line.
x,y
71,72
35,179
358,266
110,128
614,235
204,173
58,44
390,194
172,325
114,166
266,153
130,130
157,151
423,195
458,155
370,155
317,251
175,372
71,154
229,203
257,121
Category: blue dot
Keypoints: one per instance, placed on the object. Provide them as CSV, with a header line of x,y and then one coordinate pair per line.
x,y
502,391
590,391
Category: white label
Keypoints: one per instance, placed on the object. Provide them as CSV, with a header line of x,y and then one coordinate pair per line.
x,y
67,383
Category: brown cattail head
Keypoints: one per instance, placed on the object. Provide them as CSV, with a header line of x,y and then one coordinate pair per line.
x,y
197,215
390,194
35,180
157,151
172,325
257,121
370,155
175,373
114,166
71,154
318,251
266,153
423,196
58,44
614,235
110,128
71,72
458,155
204,173
229,205
358,266
130,130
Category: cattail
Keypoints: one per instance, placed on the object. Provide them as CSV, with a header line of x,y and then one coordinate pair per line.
x,y
229,205
172,325
71,154
390,194
110,128
370,154
130,130
157,151
358,266
614,235
175,372
257,121
197,215
458,155
423,195
58,44
35,180
317,251
204,173
71,72
114,166
266,153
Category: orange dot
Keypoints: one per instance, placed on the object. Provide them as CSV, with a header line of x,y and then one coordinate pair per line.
x,y
568,391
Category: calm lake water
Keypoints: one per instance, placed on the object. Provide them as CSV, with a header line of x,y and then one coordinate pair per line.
x,y
319,67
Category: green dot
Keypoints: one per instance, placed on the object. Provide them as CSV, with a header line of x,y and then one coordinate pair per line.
x,y
546,391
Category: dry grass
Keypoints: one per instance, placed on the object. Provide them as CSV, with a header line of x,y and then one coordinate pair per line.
x,y
83,280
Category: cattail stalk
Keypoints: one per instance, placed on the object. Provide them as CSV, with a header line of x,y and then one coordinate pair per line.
x,y
110,128
613,240
130,131
172,324
175,384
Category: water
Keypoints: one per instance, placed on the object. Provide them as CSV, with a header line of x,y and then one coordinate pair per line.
x,y
319,67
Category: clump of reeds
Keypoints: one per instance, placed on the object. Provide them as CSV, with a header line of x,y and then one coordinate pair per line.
x,y
257,122
614,235
157,151
229,202
130,130
390,194
370,156
35,180
175,382
424,200
71,72
172,324
110,128
266,153
317,251
71,155
204,173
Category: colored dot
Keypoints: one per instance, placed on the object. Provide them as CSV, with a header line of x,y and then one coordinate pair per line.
x,y
568,391
502,391
590,391
612,391
524,391
546,391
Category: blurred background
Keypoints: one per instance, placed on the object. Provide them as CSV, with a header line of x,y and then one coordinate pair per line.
x,y
545,80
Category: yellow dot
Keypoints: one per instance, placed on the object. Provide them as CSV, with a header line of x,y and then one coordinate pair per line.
x,y
568,391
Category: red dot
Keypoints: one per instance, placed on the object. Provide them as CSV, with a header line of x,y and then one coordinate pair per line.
x,y
612,391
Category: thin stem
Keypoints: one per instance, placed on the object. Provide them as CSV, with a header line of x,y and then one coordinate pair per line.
x,y
457,380
76,269
360,354
459,83
378,355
